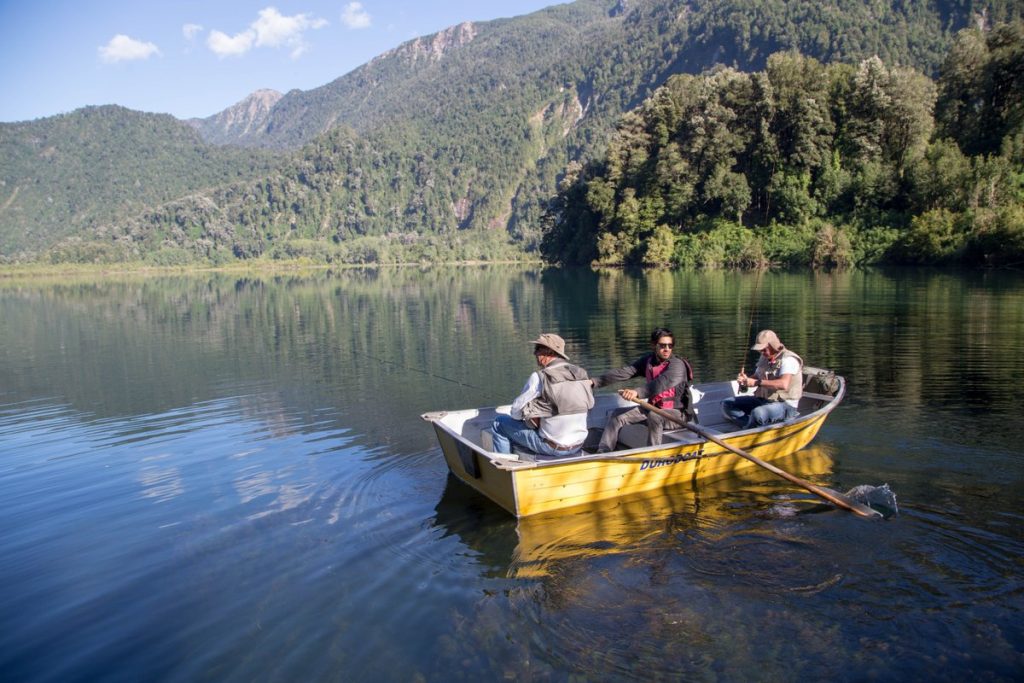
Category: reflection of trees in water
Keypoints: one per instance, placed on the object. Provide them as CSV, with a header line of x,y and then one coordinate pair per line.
x,y
380,346
368,341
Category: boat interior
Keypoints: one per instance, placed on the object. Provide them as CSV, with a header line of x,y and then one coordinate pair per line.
x,y
475,424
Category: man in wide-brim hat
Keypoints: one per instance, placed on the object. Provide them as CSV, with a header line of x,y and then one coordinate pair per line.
x,y
549,417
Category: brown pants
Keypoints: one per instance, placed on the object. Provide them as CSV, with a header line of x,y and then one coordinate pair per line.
x,y
627,416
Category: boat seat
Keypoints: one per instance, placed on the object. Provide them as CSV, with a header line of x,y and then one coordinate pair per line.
x,y
635,436
487,443
487,439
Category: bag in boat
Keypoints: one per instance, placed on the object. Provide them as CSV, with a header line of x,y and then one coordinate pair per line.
x,y
819,381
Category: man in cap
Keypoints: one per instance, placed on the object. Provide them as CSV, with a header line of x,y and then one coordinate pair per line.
x,y
668,379
549,417
777,381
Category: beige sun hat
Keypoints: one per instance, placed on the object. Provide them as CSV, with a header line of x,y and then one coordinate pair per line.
x,y
553,342
766,338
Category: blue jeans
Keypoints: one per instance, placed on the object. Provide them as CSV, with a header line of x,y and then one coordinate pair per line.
x,y
508,430
751,411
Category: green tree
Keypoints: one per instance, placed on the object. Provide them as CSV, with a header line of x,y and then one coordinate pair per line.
x,y
941,178
660,247
933,236
981,88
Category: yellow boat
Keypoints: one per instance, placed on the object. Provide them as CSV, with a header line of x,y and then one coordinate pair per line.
x,y
525,487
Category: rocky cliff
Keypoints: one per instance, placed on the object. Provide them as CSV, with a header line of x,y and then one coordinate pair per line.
x,y
239,121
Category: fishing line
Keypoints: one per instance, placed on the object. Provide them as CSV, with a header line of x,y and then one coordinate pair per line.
x,y
750,323
422,372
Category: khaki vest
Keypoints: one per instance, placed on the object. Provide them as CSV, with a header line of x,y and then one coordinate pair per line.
x,y
770,370
565,390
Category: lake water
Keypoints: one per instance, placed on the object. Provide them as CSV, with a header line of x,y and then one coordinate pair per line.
x,y
225,478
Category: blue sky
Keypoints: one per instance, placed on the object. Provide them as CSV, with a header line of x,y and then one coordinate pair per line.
x,y
193,58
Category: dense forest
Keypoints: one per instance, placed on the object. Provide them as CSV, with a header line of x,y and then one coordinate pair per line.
x,y
811,164
103,164
487,141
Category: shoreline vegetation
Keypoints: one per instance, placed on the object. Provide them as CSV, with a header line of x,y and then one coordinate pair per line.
x,y
10,272
35,272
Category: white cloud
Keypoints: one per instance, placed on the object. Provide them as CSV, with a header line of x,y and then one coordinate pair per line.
x,y
224,45
190,31
121,48
354,16
271,29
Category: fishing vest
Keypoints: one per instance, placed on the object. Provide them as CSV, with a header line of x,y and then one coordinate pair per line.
x,y
565,390
770,370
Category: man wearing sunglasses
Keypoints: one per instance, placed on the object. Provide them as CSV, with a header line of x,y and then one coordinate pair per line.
x,y
668,379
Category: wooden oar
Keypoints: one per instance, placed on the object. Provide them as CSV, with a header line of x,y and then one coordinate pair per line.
x,y
832,496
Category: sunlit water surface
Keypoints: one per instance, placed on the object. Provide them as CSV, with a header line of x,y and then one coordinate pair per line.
x,y
226,479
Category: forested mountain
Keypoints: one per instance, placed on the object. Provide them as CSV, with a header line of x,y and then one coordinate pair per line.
x,y
101,164
451,145
580,44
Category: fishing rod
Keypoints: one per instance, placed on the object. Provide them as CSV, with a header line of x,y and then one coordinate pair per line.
x,y
750,325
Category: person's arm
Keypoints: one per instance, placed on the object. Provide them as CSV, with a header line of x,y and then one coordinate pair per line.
x,y
751,380
617,375
789,368
531,390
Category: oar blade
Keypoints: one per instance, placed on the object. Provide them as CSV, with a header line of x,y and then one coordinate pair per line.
x,y
853,505
879,498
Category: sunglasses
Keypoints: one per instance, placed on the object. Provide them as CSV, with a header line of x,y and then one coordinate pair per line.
x,y
665,346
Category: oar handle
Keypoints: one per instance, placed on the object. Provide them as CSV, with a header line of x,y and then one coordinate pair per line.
x,y
834,497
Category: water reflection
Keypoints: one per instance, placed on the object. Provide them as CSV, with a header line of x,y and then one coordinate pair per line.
x,y
160,479
533,547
